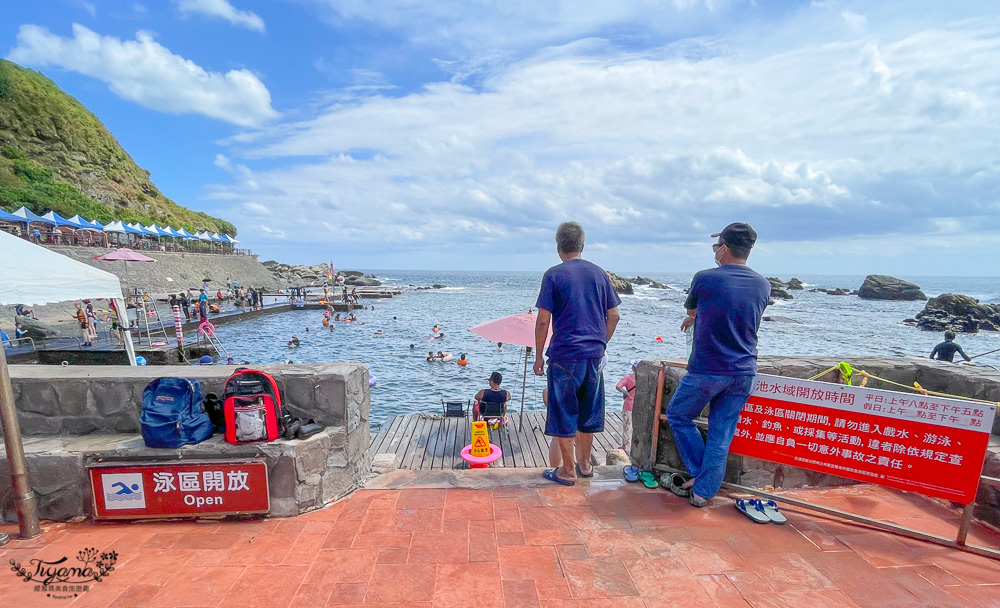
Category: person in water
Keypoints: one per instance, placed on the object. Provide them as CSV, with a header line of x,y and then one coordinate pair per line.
x,y
462,360
430,356
945,351
294,342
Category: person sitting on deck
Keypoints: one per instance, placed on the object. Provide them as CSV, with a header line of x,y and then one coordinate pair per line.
x,y
491,403
945,351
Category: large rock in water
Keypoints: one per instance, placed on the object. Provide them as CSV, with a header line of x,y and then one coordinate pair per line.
x,y
958,313
35,328
778,289
620,284
363,282
884,287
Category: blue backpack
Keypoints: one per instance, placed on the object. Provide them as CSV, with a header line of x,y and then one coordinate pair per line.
x,y
173,414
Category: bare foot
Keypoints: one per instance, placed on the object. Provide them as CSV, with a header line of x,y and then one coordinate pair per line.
x,y
688,484
569,475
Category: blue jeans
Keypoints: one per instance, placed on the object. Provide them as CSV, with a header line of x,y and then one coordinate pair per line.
x,y
726,396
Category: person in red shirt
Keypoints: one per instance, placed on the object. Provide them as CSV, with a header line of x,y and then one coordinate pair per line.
x,y
626,386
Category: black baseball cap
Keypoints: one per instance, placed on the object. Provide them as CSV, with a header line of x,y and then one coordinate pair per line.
x,y
496,378
737,234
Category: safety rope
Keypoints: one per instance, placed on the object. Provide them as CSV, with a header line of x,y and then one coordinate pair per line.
x,y
848,372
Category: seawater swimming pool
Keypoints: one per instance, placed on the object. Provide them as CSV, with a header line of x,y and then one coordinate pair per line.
x,y
406,383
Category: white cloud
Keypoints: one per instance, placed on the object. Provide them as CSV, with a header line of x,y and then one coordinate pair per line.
x,y
90,8
147,73
256,209
854,21
221,9
823,138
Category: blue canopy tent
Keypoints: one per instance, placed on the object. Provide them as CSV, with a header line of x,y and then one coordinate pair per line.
x,y
60,221
86,224
26,214
187,235
10,217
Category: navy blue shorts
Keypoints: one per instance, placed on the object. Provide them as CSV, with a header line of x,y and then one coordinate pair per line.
x,y
576,397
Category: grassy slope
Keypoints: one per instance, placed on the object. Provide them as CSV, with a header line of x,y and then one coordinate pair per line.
x,y
55,155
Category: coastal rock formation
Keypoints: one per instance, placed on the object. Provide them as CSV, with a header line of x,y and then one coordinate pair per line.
x,y
644,281
958,313
778,289
884,287
35,328
620,284
794,284
781,320
840,291
363,282
298,276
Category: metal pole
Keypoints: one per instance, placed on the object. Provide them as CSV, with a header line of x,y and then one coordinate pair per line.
x,y
656,413
524,383
25,502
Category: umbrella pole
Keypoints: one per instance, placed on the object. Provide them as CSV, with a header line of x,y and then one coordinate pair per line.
x,y
524,383
25,502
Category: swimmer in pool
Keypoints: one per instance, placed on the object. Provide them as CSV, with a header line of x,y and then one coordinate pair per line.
x,y
412,346
462,360
379,332
435,330
294,342
430,356
336,317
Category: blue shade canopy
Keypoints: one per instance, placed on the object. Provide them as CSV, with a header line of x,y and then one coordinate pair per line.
x,y
86,225
170,232
10,217
115,226
187,235
216,238
59,220
25,213
204,236
152,230
228,239
130,229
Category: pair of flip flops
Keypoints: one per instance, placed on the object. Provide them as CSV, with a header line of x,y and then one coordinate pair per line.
x,y
760,511
302,429
633,474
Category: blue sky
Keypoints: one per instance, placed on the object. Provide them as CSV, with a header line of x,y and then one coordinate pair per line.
x,y
856,137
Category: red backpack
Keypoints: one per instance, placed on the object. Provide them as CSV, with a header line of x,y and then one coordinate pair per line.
x,y
252,407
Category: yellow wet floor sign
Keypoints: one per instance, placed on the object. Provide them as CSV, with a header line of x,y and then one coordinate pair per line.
x,y
480,440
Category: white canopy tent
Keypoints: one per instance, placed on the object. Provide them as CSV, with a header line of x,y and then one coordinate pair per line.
x,y
34,275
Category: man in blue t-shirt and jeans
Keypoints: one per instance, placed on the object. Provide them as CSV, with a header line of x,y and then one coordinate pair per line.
x,y
725,305
580,303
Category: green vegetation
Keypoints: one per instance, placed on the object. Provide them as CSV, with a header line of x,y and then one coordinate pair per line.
x,y
57,156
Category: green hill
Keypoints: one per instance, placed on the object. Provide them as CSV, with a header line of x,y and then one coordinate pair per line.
x,y
55,155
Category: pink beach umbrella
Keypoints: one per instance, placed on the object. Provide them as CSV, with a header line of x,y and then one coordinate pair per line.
x,y
516,329
124,255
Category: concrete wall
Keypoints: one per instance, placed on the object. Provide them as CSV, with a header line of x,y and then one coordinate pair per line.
x,y
960,380
79,415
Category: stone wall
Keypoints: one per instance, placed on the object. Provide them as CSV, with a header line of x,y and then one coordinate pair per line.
x,y
184,269
73,416
80,400
960,380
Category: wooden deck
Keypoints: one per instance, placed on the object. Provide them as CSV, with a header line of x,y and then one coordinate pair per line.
x,y
424,441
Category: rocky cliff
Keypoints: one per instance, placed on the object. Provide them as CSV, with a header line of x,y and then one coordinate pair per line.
x,y
55,155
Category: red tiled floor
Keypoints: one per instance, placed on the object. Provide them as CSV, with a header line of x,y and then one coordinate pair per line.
x,y
605,545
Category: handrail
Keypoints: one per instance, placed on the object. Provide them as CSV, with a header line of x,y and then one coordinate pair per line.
x,y
29,340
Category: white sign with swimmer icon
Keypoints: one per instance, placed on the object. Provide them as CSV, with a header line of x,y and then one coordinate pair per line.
x,y
123,491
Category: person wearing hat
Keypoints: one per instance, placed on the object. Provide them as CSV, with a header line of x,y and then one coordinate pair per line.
x,y
492,395
725,306
626,386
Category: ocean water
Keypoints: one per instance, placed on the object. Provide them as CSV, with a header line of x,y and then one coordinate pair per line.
x,y
819,324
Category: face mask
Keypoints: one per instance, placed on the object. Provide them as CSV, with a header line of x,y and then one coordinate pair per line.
x,y
718,262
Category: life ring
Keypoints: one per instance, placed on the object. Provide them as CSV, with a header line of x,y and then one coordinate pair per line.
x,y
447,357
481,461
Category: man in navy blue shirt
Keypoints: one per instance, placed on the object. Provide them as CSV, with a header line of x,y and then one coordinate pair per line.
x,y
725,305
580,303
